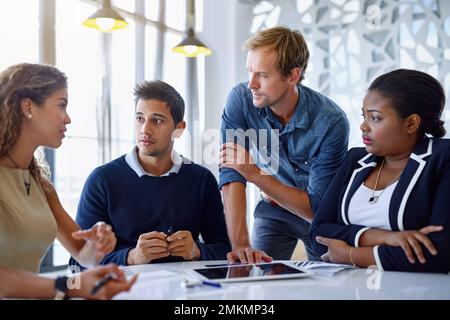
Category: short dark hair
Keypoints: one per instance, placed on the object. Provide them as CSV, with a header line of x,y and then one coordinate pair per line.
x,y
414,92
160,90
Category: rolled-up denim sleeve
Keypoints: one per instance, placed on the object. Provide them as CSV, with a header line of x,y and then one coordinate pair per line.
x,y
328,160
233,118
227,175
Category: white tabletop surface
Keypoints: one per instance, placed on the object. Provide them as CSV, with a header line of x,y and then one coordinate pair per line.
x,y
163,281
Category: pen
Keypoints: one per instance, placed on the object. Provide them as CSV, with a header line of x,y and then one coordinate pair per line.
x,y
212,284
192,284
102,282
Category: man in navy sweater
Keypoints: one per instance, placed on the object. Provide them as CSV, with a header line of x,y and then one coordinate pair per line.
x,y
157,202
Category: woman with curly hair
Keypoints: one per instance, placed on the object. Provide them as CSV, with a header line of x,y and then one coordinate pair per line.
x,y
33,113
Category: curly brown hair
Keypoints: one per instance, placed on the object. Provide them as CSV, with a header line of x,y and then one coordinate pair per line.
x,y
35,82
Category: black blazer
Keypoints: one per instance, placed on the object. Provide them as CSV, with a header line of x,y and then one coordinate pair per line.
x,y
420,198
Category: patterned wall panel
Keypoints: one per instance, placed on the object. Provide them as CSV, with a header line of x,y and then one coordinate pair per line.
x,y
353,41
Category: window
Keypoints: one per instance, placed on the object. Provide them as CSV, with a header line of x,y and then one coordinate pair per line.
x,y
151,52
176,14
78,54
19,32
122,85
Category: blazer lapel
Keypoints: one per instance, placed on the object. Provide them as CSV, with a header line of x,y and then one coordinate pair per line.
x,y
407,181
367,163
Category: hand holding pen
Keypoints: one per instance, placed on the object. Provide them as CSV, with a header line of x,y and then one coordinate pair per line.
x,y
102,282
98,280
182,244
112,282
150,246
156,245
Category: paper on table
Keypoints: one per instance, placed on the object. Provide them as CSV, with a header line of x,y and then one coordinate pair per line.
x,y
320,267
157,274
161,284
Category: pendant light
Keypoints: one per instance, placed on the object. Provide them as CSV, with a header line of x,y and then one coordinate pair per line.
x,y
106,19
191,46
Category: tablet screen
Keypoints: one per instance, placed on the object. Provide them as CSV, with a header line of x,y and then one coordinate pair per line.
x,y
263,271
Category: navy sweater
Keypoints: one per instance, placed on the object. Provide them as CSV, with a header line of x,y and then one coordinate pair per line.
x,y
132,205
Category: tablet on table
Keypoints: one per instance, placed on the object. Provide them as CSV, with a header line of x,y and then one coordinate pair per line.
x,y
251,272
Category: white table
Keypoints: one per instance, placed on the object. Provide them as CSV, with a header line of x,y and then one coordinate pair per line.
x,y
157,281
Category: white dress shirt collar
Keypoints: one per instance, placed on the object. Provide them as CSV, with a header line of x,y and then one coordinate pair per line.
x,y
132,160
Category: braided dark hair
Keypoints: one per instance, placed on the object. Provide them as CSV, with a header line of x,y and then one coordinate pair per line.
x,y
414,92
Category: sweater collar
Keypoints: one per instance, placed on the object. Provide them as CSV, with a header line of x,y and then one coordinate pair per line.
x,y
132,160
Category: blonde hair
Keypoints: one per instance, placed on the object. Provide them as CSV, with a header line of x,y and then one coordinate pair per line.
x,y
289,45
35,82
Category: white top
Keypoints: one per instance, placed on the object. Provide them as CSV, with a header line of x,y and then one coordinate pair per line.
x,y
373,215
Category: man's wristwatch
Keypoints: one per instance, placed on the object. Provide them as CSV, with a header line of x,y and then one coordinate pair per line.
x,y
61,288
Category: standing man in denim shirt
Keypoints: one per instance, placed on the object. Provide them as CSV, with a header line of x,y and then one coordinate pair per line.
x,y
283,137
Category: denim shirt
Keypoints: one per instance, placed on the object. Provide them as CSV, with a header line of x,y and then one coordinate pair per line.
x,y
304,154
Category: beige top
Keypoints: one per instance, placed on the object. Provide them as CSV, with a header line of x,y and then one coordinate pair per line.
x,y
27,225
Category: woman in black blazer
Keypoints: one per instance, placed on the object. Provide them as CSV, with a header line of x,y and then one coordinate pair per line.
x,y
389,204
